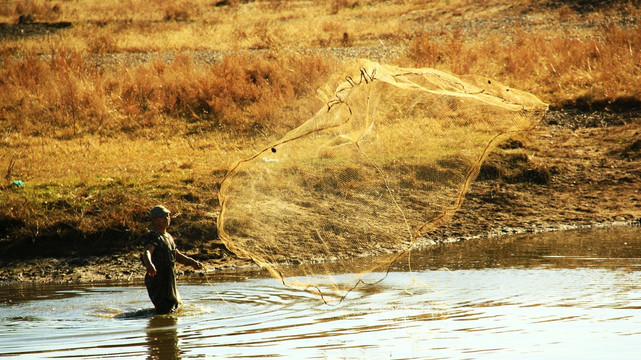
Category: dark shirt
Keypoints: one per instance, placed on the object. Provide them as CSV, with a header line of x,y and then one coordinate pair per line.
x,y
162,287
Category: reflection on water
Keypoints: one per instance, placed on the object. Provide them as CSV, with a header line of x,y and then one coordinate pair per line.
x,y
566,295
604,248
162,338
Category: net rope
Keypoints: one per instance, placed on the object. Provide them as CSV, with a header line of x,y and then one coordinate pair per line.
x,y
389,158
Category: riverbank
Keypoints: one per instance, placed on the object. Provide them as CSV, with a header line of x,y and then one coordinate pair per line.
x,y
578,169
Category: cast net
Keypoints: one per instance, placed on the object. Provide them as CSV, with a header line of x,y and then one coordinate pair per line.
x,y
388,158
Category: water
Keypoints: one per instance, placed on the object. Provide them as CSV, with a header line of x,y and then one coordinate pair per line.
x,y
566,295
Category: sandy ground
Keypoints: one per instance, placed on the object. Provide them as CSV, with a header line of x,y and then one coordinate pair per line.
x,y
579,169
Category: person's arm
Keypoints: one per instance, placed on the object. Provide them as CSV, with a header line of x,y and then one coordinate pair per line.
x,y
146,258
186,260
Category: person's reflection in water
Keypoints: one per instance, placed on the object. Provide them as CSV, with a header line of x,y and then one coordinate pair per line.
x,y
162,338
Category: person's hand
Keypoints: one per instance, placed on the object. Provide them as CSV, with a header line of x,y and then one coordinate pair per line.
x,y
151,270
197,265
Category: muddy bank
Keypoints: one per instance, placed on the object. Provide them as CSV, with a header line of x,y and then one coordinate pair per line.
x,y
580,168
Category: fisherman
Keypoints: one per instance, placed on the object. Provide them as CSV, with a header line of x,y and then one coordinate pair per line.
x,y
159,257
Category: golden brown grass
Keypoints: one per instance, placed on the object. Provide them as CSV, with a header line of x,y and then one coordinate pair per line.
x,y
94,184
120,111
146,26
96,148
65,95
560,69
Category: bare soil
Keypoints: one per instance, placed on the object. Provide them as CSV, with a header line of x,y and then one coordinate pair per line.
x,y
580,169
27,27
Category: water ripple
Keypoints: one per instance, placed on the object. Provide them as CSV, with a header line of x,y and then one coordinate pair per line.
x,y
537,310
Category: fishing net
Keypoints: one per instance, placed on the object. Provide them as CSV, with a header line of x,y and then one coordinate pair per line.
x,y
388,158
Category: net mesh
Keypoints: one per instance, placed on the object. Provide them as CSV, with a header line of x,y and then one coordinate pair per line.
x,y
388,158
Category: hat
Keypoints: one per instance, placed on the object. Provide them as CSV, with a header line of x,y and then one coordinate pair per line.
x,y
159,211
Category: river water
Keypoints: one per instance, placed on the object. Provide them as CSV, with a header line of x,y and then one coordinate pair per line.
x,y
562,295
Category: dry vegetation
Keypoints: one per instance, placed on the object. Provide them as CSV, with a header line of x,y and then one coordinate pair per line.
x,y
108,107
558,68
66,96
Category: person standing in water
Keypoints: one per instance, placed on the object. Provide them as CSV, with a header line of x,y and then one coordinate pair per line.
x,y
159,257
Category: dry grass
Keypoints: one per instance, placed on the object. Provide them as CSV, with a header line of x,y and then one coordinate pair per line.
x,y
558,68
200,25
96,148
66,95
119,111
97,184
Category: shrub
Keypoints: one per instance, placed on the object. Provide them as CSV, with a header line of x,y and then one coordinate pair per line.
x,y
67,95
557,68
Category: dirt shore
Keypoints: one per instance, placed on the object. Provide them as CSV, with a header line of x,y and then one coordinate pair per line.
x,y
578,169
